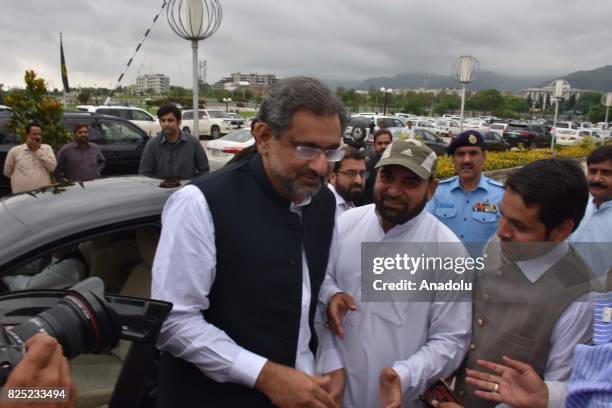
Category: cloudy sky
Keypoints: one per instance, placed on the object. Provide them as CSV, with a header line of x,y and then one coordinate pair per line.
x,y
331,39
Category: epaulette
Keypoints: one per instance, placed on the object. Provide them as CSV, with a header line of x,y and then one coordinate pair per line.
x,y
494,182
448,180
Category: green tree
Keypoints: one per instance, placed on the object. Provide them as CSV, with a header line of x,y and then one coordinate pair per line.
x,y
587,101
487,100
33,105
446,103
84,96
597,113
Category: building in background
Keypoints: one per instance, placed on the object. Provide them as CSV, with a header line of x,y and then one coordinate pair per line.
x,y
258,84
159,83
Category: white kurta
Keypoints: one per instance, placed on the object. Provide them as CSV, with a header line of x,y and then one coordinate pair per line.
x,y
421,341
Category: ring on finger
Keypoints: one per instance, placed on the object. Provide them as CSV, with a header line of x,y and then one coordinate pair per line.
x,y
496,388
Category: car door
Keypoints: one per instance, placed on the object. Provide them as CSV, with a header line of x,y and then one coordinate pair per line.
x,y
120,255
123,144
144,121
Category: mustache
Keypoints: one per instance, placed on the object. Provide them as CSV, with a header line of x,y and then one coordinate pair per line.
x,y
311,173
394,199
598,185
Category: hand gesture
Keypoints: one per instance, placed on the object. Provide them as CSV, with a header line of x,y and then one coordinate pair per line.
x,y
516,384
337,308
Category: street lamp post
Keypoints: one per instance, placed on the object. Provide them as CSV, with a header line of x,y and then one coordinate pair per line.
x,y
194,20
560,86
606,100
227,101
386,92
465,70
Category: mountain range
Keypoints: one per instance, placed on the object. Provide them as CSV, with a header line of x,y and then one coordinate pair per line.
x,y
599,79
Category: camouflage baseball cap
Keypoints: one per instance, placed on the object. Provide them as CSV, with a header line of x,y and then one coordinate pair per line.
x,y
411,154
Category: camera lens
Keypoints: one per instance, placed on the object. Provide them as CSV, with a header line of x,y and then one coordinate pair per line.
x,y
81,322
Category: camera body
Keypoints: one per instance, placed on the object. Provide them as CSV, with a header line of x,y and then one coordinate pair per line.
x,y
83,320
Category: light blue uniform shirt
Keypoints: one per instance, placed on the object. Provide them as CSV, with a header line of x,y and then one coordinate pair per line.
x,y
593,236
472,216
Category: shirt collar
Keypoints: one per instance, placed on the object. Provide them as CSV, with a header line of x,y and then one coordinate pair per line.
x,y
77,146
339,199
403,228
602,207
482,183
533,269
182,137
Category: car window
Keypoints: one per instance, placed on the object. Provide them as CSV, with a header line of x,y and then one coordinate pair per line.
x,y
238,136
120,132
216,114
187,115
120,113
139,115
94,134
398,123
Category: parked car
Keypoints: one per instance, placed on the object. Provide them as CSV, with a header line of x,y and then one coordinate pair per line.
x,y
237,120
436,143
393,124
4,108
222,150
567,137
357,130
593,133
137,116
494,142
120,141
115,223
530,136
498,127
447,128
212,123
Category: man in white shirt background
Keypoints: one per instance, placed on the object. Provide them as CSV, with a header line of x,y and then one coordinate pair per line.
x,y
392,351
593,236
347,180
29,165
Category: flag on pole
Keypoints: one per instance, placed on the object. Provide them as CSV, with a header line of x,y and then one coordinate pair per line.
x,y
64,70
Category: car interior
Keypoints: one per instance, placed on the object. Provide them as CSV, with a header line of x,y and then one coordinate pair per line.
x,y
123,260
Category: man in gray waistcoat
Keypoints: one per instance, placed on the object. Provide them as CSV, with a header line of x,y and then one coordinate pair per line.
x,y
530,303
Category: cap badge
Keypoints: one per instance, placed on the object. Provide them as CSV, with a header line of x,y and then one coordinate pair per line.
x,y
472,139
407,152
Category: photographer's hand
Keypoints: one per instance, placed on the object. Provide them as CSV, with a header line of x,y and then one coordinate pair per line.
x,y
43,366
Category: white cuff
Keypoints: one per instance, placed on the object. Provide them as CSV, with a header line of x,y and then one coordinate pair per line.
x,y
404,375
326,293
329,360
557,393
246,368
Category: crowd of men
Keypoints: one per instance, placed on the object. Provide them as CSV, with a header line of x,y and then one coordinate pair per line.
x,y
31,164
250,330
266,277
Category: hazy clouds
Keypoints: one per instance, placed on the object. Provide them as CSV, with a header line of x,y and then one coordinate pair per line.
x,y
351,39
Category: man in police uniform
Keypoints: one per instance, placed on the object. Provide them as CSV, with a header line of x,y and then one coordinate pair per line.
x,y
468,203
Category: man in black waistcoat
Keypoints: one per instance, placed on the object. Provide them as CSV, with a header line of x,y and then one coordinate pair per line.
x,y
242,255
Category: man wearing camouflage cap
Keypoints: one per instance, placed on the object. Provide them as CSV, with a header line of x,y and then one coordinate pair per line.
x,y
390,351
468,203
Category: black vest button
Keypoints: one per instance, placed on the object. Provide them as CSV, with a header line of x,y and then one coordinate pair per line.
x,y
292,261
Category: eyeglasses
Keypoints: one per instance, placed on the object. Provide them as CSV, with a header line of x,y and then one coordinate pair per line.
x,y
353,174
311,153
